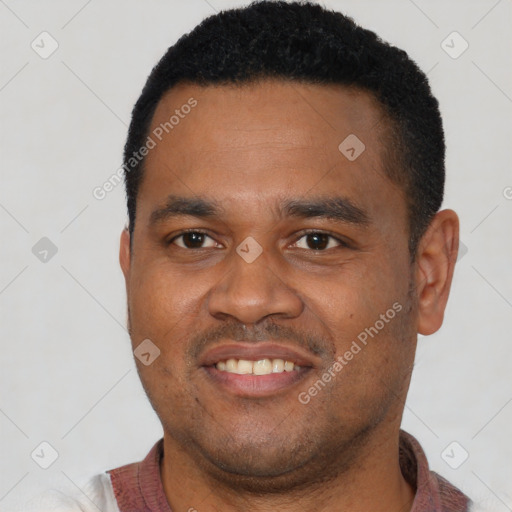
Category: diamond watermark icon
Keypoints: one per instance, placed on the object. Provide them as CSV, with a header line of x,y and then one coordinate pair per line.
x,y
146,352
463,250
454,455
249,249
454,45
351,147
44,250
45,45
44,455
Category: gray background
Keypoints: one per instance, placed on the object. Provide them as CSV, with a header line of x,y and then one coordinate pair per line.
x,y
67,373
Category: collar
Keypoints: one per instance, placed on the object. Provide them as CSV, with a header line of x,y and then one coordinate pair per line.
x,y
138,486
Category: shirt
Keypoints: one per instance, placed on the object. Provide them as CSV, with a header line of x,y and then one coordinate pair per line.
x,y
137,487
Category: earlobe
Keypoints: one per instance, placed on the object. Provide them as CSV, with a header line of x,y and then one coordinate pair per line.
x,y
124,253
435,263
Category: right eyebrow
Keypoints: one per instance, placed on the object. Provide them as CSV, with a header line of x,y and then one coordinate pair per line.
x,y
176,206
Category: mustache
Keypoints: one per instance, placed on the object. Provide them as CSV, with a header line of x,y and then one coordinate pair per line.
x,y
266,330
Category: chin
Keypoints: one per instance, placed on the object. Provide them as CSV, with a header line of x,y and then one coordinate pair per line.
x,y
258,471
272,464
257,460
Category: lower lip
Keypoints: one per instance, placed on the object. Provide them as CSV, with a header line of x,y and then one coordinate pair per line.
x,y
256,386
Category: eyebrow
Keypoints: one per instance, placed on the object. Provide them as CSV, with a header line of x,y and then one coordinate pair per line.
x,y
340,209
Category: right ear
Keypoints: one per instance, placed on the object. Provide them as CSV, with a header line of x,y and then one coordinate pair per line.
x,y
125,254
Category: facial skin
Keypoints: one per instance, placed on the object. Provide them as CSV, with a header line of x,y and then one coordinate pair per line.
x,y
249,150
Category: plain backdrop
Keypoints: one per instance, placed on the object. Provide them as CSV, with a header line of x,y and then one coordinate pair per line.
x,y
67,373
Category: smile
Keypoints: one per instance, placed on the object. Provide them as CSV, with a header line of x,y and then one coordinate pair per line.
x,y
260,367
257,370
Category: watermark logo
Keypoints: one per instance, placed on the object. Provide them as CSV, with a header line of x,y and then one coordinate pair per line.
x,y
352,147
45,45
454,45
355,348
463,250
157,135
146,352
44,455
249,249
44,250
454,455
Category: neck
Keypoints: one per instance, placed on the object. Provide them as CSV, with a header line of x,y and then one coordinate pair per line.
x,y
373,481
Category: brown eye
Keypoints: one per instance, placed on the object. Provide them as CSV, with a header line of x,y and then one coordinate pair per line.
x,y
318,241
192,240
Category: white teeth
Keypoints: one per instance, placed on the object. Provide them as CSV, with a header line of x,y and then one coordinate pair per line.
x,y
244,367
278,366
231,366
261,367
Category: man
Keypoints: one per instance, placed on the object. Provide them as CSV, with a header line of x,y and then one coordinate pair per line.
x,y
284,172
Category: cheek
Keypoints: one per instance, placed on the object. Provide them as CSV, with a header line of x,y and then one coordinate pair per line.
x,y
159,313
352,298
365,313
370,368
163,300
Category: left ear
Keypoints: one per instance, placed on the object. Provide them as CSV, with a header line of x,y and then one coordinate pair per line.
x,y
435,263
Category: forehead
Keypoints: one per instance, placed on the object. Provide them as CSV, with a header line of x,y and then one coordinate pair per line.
x,y
273,111
264,140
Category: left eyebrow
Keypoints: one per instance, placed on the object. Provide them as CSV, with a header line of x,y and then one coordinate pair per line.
x,y
336,208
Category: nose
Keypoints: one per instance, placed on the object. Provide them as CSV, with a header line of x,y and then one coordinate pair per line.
x,y
250,292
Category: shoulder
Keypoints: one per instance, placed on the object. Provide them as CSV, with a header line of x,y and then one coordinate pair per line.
x,y
96,494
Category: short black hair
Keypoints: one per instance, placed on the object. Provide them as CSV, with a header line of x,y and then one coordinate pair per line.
x,y
305,42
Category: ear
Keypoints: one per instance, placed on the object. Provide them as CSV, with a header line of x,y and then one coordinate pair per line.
x,y
435,263
125,254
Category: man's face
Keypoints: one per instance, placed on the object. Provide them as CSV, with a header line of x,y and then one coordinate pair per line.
x,y
319,283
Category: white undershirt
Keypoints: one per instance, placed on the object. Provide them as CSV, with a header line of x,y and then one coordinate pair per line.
x,y
96,495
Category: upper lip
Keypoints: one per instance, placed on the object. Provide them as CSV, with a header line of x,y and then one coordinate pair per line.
x,y
255,351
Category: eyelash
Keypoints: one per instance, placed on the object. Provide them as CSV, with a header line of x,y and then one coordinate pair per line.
x,y
342,243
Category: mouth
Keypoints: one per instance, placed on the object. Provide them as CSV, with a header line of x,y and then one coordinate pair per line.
x,y
258,369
